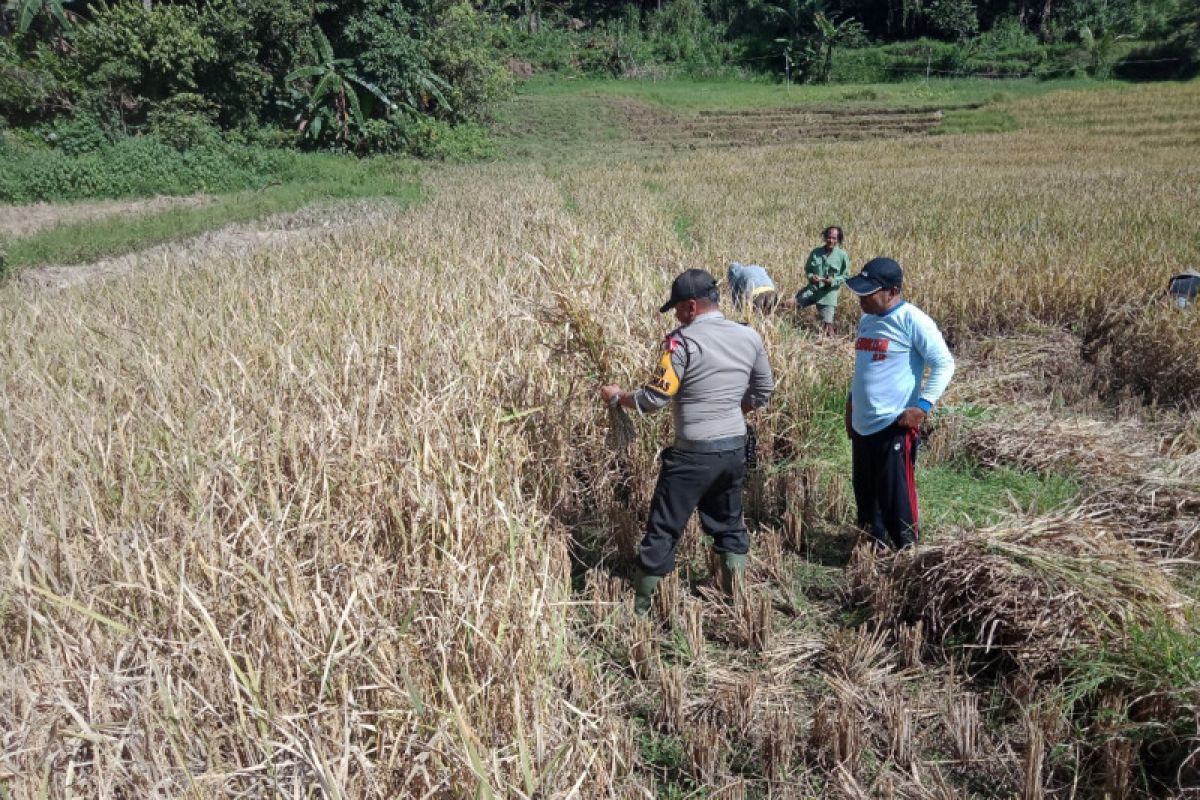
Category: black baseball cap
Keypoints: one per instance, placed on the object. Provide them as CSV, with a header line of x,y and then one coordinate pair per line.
x,y
689,285
878,273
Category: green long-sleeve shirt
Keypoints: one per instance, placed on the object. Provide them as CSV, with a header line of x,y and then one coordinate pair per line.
x,y
834,265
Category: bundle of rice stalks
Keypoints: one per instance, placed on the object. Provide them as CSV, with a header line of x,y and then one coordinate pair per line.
x,y
584,338
1174,483
1097,450
1154,499
1160,516
1022,595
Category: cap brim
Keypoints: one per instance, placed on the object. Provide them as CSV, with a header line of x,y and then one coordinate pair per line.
x,y
863,286
667,306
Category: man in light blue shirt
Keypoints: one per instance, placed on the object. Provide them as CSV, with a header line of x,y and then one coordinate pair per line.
x,y
889,400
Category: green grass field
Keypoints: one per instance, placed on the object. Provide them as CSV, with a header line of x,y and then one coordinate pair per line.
x,y
310,179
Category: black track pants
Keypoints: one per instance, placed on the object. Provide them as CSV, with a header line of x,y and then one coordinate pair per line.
x,y
711,482
885,486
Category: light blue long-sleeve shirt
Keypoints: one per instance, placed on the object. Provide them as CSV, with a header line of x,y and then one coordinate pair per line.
x,y
891,353
744,279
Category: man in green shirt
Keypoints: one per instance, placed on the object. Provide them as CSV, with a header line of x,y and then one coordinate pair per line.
x,y
827,269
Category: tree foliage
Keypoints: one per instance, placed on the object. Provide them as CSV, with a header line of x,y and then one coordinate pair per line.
x,y
331,103
28,10
371,74
255,64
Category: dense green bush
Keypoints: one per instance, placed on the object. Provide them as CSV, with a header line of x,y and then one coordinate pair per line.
x,y
185,121
132,57
460,54
550,49
862,65
389,40
1177,58
120,67
28,83
76,135
429,138
684,35
679,34
138,166
258,42
604,48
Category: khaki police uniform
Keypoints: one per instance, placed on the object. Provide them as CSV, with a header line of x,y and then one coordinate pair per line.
x,y
706,371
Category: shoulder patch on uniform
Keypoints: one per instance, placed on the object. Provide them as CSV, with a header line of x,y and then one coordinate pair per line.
x,y
665,380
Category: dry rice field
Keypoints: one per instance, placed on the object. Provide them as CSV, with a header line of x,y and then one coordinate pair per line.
x,y
341,517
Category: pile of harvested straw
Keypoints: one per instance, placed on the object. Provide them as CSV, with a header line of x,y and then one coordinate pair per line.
x,y
1011,369
1021,595
1149,350
1156,497
1160,516
1097,450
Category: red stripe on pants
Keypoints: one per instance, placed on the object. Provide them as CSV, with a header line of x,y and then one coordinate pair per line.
x,y
910,443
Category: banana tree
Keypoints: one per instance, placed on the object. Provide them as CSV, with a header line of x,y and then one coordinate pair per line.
x,y
1101,50
830,34
793,14
28,10
332,103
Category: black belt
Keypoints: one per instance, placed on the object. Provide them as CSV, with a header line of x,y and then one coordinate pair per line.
x,y
710,445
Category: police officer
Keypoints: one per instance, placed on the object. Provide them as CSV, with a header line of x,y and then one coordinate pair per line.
x,y
712,371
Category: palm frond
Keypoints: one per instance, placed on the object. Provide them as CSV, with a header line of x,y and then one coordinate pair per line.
x,y
305,72
352,99
55,7
432,85
329,82
324,48
373,89
28,11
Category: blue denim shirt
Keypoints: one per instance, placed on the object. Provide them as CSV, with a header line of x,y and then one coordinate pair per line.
x,y
744,279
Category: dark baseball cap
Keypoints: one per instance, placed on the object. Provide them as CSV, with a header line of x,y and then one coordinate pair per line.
x,y
878,273
689,285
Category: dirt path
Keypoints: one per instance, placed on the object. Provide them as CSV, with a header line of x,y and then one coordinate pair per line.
x,y
19,221
236,241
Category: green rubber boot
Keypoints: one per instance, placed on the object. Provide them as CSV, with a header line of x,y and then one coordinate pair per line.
x,y
733,570
643,588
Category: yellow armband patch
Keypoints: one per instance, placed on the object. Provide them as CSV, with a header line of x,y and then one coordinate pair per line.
x,y
665,381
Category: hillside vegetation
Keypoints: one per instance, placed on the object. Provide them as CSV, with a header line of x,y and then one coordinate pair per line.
x,y
343,519
228,79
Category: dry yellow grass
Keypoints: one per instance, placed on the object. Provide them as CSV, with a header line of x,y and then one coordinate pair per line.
x,y
301,524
